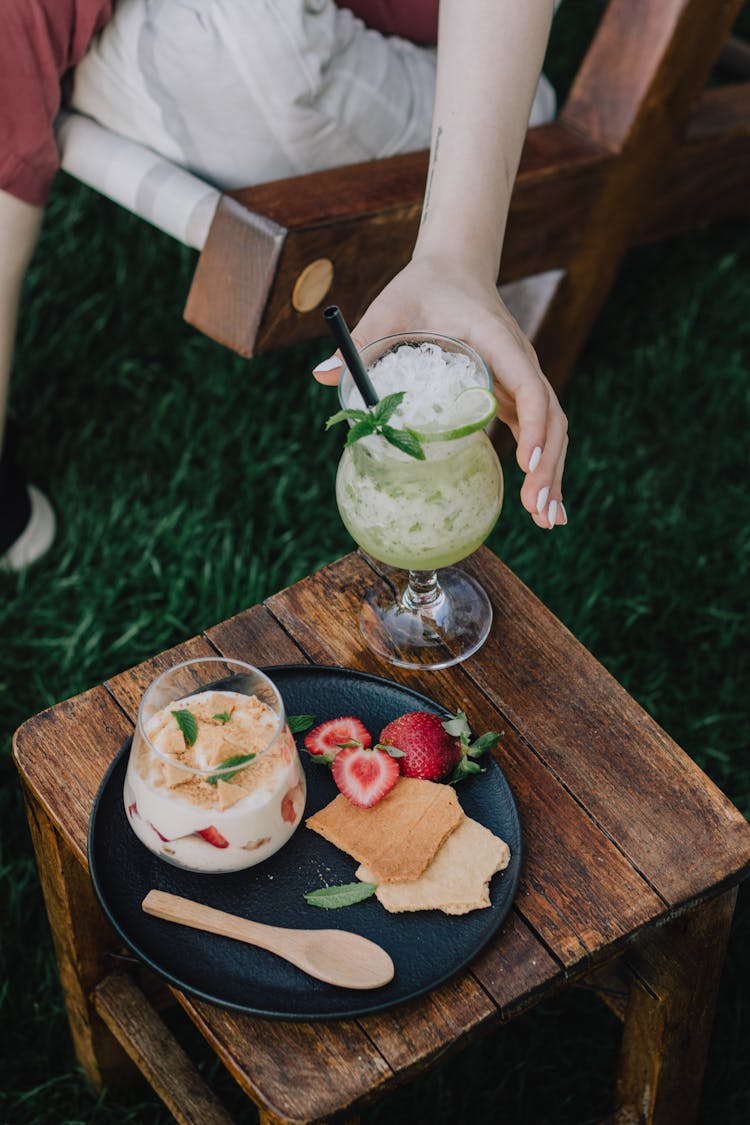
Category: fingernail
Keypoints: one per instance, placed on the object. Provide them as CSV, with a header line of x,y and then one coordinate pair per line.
x,y
541,500
535,458
564,513
328,364
552,512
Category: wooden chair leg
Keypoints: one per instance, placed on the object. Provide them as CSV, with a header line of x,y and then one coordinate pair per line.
x,y
81,937
668,1019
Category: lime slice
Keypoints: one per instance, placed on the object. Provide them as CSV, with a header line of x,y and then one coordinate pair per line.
x,y
472,410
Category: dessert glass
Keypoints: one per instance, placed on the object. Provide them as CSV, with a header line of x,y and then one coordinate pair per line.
x,y
422,516
214,782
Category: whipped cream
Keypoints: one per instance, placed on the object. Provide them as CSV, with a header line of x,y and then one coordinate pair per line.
x,y
219,790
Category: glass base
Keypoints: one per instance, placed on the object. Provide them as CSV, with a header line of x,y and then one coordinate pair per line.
x,y
432,624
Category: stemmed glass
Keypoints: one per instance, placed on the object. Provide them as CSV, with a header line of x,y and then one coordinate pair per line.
x,y
421,516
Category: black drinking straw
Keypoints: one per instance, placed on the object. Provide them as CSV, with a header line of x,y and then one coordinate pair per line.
x,y
339,331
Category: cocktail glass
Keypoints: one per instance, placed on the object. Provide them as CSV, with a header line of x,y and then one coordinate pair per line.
x,y
421,517
224,789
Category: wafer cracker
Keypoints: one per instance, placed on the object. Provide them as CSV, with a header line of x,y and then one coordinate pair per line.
x,y
457,880
399,836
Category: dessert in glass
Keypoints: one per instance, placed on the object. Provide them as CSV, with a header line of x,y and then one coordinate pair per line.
x,y
423,513
214,781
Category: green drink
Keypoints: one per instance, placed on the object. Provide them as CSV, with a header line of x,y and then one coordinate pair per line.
x,y
420,515
423,512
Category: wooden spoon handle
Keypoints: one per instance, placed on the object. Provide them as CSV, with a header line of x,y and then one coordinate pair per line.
x,y
174,908
335,956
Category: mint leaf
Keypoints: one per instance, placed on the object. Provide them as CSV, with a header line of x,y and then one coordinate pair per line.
x,y
458,725
484,743
188,724
222,716
360,430
345,415
331,898
300,723
382,410
239,760
405,440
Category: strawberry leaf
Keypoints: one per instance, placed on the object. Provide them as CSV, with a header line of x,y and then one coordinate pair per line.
x,y
392,750
300,723
465,768
331,898
458,726
484,743
226,774
188,724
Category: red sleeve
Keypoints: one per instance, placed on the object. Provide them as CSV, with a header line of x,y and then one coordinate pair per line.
x,y
411,19
41,40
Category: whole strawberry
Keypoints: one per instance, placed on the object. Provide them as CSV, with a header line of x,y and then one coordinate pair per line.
x,y
429,752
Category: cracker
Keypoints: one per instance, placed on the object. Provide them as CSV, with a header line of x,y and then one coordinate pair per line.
x,y
457,880
399,836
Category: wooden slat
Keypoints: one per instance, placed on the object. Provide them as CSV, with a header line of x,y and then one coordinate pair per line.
x,y
157,1054
128,687
255,636
576,907
670,1012
672,822
97,728
299,1072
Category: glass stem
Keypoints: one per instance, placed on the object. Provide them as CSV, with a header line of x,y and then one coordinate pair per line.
x,y
423,593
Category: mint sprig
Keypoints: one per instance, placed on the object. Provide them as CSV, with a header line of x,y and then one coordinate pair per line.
x,y
375,421
346,894
239,760
467,765
222,716
300,723
188,724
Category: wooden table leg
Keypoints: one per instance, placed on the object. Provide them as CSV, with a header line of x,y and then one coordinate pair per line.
x,y
81,937
667,1028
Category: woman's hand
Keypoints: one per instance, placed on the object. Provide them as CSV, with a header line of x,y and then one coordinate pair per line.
x,y
434,295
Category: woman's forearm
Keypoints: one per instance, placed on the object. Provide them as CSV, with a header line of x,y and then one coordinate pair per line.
x,y
490,55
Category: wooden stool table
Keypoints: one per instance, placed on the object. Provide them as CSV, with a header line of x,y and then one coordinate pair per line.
x,y
631,865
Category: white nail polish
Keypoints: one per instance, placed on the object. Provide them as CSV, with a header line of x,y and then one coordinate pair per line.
x,y
552,512
328,364
564,513
535,458
541,502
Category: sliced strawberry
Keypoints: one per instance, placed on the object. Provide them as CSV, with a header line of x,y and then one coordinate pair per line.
x,y
212,836
364,776
132,808
159,834
328,738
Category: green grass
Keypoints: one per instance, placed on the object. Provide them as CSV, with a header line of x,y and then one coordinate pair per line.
x,y
190,484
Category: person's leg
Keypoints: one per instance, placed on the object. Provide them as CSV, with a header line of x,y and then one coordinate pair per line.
x,y
19,229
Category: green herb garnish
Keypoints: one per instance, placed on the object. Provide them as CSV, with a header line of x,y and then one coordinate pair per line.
x,y
227,773
188,724
375,421
222,716
300,723
331,898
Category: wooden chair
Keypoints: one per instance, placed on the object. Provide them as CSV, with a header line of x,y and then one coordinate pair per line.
x,y
641,150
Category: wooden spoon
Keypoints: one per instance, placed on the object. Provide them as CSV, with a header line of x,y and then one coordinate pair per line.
x,y
335,956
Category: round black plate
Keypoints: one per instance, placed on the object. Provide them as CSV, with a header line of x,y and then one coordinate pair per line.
x,y
427,947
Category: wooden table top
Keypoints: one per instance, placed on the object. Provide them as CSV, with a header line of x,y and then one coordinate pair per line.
x,y
621,829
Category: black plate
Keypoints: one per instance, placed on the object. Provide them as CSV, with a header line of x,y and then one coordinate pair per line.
x,y
427,947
